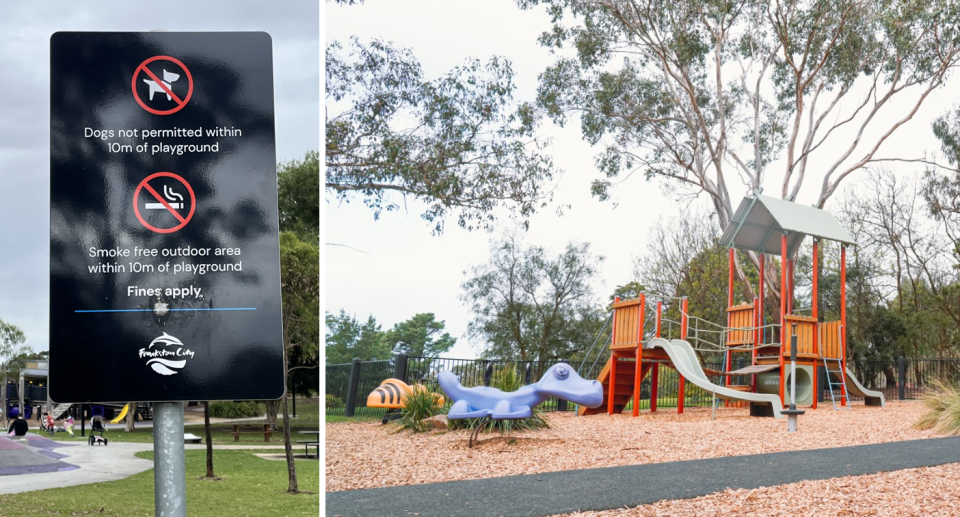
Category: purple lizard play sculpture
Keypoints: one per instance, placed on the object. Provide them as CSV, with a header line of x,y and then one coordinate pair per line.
x,y
559,381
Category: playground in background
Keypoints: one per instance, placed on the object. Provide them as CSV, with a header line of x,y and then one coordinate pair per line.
x,y
766,226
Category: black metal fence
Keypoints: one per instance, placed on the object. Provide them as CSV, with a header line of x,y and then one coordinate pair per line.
x,y
348,385
902,378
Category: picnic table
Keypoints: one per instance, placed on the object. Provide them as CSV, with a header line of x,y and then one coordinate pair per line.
x,y
307,443
255,429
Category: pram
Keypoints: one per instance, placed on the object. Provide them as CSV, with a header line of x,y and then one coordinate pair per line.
x,y
96,426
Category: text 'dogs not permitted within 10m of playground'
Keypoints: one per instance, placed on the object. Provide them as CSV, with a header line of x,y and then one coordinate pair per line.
x,y
164,255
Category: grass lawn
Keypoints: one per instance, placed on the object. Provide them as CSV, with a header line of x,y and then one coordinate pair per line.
x,y
249,486
308,419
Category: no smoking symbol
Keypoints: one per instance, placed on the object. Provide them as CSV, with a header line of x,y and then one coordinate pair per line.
x,y
172,201
159,89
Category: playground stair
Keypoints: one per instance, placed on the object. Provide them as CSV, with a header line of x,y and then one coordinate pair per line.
x,y
59,410
838,390
626,375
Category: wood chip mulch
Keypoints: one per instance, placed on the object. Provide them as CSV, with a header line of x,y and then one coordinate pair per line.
x,y
369,455
903,493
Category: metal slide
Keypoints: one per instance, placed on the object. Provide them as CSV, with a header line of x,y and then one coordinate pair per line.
x,y
870,397
685,361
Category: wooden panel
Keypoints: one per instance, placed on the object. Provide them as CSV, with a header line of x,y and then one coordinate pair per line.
x,y
741,316
806,328
830,343
627,327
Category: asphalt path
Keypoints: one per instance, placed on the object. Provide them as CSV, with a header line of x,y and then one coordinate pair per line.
x,y
615,487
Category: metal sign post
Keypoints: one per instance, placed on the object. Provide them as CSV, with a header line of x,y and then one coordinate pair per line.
x,y
169,465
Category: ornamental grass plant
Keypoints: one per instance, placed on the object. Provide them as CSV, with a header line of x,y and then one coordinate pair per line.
x,y
943,403
420,405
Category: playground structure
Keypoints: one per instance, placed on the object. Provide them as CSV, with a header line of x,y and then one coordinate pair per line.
x,y
122,415
766,226
392,394
560,380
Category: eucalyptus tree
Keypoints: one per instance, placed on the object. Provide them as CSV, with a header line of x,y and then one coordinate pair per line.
x,y
457,143
531,304
716,95
12,354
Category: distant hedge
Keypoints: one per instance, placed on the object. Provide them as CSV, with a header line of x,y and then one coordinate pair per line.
x,y
236,409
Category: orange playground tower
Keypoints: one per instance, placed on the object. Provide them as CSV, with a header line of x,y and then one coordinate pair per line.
x,y
768,227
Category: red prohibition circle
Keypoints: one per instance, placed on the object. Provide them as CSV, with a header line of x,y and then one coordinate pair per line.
x,y
183,220
180,103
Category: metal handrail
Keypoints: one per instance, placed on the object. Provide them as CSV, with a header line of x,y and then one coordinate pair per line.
x,y
586,357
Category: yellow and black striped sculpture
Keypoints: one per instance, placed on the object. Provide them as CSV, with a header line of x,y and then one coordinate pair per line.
x,y
392,393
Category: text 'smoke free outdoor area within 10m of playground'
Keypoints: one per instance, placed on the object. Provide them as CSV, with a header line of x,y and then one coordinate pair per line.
x,y
164,253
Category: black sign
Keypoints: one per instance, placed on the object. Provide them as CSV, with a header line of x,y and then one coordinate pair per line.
x,y
164,254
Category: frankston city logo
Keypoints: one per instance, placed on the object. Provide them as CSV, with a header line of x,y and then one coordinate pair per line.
x,y
168,357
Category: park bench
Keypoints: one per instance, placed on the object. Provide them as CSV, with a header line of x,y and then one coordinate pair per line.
x,y
191,438
308,443
263,429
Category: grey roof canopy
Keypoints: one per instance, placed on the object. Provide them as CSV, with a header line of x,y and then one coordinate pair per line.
x,y
760,221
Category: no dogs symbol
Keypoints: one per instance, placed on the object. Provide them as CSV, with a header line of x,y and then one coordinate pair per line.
x,y
163,86
168,203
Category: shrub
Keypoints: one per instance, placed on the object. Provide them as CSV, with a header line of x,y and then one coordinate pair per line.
x,y
235,409
943,403
506,378
420,405
333,401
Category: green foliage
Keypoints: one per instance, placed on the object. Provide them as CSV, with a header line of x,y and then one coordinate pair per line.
x,y
457,143
332,400
419,336
300,284
13,353
247,409
298,185
347,338
531,305
683,258
942,400
697,93
420,405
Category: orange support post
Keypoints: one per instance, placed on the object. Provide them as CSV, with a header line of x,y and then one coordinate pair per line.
x,y
654,369
813,312
763,266
756,341
790,280
784,292
683,335
638,372
843,314
612,380
732,256
659,314
654,377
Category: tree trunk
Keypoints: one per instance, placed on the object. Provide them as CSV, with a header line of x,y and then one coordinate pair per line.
x,y
291,467
131,413
207,438
20,396
272,407
3,391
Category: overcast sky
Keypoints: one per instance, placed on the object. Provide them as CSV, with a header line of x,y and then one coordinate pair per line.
x,y
400,269
25,29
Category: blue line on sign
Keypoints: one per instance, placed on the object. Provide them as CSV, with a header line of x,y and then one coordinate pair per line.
x,y
171,310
